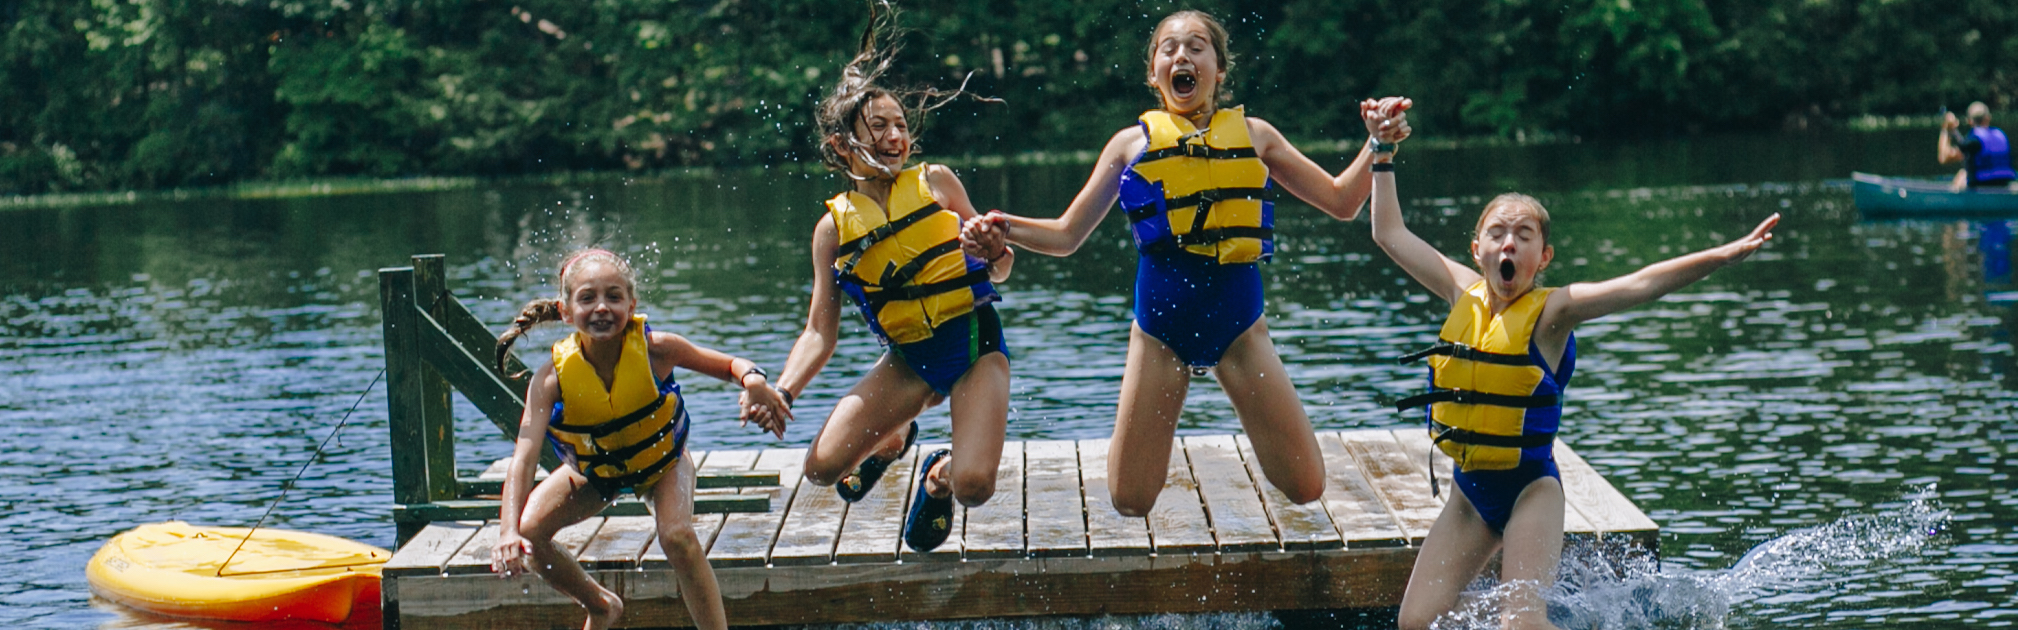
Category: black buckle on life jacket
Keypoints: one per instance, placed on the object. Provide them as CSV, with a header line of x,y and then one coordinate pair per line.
x,y
1446,433
886,295
1440,433
616,457
1468,397
609,487
613,426
1468,353
1214,235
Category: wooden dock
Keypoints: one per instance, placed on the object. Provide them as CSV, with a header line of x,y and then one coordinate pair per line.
x,y
1048,543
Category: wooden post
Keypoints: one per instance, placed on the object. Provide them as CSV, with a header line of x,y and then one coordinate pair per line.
x,y
437,417
404,392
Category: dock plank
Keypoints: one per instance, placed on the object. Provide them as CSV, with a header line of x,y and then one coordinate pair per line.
x,y
430,550
577,536
1054,510
1239,521
475,554
1302,527
620,544
955,545
811,527
1401,486
1608,509
745,539
1108,533
1362,520
995,529
1422,454
1370,569
1177,524
875,524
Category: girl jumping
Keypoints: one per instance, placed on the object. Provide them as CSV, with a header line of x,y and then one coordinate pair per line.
x,y
1196,182
1497,374
609,406
891,244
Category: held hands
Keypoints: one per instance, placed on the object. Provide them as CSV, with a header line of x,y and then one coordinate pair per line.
x,y
1740,249
986,236
508,559
763,404
1386,118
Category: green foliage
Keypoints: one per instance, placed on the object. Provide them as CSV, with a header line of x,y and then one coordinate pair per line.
x,y
99,94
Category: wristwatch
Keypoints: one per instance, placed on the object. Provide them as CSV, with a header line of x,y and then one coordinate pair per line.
x,y
754,369
1380,147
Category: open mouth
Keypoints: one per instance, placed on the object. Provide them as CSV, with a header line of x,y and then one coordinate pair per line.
x,y
1183,83
1506,270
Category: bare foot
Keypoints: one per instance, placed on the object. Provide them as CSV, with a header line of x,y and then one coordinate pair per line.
x,y
604,616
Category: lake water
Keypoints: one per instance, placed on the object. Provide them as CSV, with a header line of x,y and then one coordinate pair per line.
x,y
1823,433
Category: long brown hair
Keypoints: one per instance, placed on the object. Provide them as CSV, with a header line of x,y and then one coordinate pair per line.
x,y
835,116
545,310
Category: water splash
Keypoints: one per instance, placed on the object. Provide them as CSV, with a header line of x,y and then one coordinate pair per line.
x,y
1610,585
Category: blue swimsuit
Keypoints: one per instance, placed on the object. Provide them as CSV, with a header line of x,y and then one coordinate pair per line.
x,y
954,346
1196,305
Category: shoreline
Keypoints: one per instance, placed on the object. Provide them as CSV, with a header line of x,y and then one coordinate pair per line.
x,y
343,186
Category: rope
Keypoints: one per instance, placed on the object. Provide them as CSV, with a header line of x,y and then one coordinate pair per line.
x,y
285,487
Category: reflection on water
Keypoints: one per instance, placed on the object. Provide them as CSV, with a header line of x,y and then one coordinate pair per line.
x,y
180,360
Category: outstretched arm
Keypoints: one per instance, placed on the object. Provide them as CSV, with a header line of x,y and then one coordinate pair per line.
x,y
1585,301
1340,196
1443,277
1063,235
759,402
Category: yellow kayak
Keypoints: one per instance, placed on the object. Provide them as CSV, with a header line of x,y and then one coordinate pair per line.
x,y
172,569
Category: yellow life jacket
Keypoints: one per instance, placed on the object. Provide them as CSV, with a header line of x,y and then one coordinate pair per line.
x,y
1202,191
625,434
903,266
1491,404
